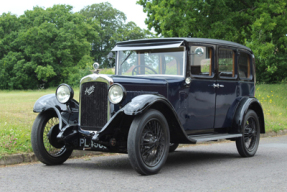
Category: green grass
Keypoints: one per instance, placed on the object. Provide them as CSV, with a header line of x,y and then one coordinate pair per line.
x,y
110,71
274,102
17,117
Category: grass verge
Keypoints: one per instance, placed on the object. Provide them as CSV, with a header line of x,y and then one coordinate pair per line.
x,y
274,102
17,117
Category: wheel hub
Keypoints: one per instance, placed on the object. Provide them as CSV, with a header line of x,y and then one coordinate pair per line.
x,y
249,134
52,136
153,148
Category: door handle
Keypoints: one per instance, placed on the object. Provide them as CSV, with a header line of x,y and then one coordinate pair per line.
x,y
217,85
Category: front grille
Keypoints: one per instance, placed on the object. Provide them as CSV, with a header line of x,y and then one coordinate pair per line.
x,y
94,105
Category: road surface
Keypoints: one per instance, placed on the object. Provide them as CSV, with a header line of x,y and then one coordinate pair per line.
x,y
205,167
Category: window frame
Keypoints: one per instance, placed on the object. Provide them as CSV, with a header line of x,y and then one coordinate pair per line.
x,y
213,48
235,68
118,70
250,65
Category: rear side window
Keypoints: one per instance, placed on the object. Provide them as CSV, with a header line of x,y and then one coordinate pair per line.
x,y
226,63
244,65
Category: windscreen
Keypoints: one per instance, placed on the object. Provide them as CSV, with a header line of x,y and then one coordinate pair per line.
x,y
151,62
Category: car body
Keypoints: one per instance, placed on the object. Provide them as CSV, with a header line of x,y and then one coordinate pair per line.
x,y
164,92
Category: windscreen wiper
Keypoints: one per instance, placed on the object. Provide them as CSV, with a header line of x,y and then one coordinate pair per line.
x,y
126,58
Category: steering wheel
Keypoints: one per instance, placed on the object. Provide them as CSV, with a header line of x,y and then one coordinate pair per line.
x,y
134,69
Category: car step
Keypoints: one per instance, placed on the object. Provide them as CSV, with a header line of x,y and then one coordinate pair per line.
x,y
213,137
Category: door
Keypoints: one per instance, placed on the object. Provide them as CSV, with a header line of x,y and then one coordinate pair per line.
x,y
201,93
227,84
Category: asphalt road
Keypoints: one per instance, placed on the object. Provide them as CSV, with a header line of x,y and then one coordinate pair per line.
x,y
206,167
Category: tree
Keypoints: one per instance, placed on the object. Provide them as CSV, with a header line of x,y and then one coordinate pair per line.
x,y
113,29
47,46
260,25
10,54
53,46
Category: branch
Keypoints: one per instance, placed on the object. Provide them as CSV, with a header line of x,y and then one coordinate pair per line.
x,y
252,9
245,24
277,14
244,3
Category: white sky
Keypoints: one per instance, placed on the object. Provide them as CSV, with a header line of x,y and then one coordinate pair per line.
x,y
133,11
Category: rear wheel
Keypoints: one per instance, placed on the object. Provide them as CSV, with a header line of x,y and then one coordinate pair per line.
x,y
173,147
44,142
247,145
148,142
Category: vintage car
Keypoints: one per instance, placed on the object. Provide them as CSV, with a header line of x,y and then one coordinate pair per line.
x,y
165,91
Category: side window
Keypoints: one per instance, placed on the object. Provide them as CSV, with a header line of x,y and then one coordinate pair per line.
x,y
244,65
226,62
200,60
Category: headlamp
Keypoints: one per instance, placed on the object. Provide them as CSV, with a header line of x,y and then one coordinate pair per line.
x,y
64,93
116,93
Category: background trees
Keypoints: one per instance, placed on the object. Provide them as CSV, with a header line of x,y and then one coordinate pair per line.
x,y
113,29
45,47
54,45
260,25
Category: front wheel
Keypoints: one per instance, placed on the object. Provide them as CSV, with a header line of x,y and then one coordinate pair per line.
x,y
247,145
44,142
148,142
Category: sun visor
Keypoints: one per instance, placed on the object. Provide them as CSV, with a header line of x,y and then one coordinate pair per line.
x,y
147,45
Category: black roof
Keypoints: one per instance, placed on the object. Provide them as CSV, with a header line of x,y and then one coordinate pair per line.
x,y
163,41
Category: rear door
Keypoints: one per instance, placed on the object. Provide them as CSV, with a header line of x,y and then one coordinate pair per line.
x,y
227,86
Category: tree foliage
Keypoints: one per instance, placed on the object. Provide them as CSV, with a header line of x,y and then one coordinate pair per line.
x,y
54,45
260,25
42,46
113,29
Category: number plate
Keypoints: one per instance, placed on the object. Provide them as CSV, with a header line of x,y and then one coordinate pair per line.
x,y
90,144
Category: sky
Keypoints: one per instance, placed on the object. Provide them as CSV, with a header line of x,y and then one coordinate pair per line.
x,y
133,11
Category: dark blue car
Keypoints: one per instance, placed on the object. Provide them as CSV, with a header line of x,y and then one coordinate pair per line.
x,y
164,92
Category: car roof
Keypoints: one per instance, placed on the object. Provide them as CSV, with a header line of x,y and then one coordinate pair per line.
x,y
163,41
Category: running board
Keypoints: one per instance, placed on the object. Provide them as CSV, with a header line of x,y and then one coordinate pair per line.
x,y
212,137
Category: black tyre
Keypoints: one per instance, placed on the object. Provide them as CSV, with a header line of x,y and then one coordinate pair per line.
x,y
173,147
247,145
148,142
44,143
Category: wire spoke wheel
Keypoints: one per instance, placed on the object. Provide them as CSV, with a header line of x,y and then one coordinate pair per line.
x,y
250,134
44,140
148,142
247,145
152,143
53,151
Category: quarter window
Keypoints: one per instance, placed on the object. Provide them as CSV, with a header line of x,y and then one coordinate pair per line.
x,y
200,60
244,65
226,63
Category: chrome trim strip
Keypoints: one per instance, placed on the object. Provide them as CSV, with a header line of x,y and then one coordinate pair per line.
x,y
117,63
96,78
131,47
184,62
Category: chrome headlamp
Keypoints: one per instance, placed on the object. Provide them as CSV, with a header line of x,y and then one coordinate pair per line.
x,y
64,93
116,93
